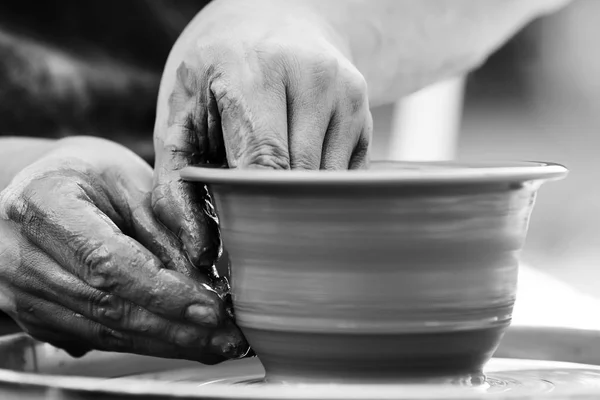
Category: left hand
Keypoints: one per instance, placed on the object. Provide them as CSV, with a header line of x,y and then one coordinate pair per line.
x,y
84,264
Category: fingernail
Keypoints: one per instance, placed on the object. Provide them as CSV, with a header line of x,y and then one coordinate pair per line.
x,y
230,346
200,256
202,315
189,245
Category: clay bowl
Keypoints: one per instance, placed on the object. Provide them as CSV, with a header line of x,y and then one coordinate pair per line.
x,y
403,271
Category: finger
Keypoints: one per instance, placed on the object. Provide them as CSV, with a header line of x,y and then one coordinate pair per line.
x,y
360,155
179,205
254,120
40,276
226,341
56,217
43,317
347,142
154,236
187,112
349,130
223,265
182,206
162,243
310,109
135,201
339,142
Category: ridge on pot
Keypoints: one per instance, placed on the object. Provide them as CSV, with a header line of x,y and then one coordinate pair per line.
x,y
406,270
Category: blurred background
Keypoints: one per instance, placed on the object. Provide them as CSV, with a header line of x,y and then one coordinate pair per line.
x,y
537,98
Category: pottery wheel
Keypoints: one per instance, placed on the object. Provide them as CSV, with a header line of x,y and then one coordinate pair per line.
x,y
506,377
531,364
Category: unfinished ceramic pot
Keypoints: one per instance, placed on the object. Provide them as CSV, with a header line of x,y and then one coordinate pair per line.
x,y
406,270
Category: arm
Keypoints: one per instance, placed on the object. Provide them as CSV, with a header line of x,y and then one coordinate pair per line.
x,y
401,46
448,37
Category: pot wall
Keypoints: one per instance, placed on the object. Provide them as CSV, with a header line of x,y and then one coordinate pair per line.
x,y
322,274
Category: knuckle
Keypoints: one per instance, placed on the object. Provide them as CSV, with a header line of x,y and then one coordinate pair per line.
x,y
323,69
185,337
99,267
23,213
21,207
355,92
31,205
143,322
147,264
229,98
109,308
208,52
176,150
273,53
138,319
278,63
326,65
266,151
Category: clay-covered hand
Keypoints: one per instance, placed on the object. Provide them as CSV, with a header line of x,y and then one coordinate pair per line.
x,y
246,89
85,265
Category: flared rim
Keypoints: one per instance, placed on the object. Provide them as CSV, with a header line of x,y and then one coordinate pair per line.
x,y
385,173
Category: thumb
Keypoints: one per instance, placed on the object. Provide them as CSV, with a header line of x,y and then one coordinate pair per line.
x,y
180,140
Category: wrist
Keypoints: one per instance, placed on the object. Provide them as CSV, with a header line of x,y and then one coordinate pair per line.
x,y
266,17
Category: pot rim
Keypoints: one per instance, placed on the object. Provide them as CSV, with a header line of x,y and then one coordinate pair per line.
x,y
380,174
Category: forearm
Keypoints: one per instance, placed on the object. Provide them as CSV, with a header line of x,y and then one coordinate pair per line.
x,y
18,153
401,46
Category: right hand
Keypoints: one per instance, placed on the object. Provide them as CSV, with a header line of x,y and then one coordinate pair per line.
x,y
85,265
251,85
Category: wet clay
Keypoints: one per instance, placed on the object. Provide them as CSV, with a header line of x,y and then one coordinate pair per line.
x,y
516,379
362,282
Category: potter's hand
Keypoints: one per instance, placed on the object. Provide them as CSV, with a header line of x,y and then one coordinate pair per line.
x,y
85,265
252,90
